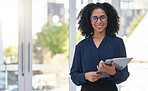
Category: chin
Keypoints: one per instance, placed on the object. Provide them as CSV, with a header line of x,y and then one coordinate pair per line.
x,y
100,30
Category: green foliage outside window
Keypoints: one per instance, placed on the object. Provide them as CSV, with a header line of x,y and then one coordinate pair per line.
x,y
11,55
53,38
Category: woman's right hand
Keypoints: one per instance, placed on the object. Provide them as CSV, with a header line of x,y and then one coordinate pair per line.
x,y
92,76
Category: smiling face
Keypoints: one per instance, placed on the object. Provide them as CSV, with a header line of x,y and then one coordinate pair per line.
x,y
99,20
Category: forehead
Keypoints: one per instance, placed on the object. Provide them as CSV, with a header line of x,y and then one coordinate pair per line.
x,y
98,12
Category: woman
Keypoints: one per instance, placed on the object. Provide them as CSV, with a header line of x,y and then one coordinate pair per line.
x,y
99,23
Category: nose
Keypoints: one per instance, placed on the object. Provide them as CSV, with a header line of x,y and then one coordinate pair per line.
x,y
98,21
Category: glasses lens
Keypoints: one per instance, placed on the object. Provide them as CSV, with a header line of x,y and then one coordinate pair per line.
x,y
94,19
102,18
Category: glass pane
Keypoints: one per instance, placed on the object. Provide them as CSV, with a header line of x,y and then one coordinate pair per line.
x,y
8,45
50,45
134,27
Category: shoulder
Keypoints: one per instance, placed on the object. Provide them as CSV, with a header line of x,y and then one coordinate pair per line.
x,y
116,39
84,42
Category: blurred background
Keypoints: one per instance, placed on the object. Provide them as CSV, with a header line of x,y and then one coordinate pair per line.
x,y
50,41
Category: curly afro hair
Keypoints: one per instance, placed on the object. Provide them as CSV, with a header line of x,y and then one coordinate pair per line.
x,y
84,22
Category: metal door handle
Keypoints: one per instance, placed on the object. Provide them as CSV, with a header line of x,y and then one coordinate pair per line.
x,y
22,61
29,57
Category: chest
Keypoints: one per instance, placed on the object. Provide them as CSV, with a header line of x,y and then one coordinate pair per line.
x,y
101,53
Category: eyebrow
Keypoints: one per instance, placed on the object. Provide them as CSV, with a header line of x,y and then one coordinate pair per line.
x,y
100,16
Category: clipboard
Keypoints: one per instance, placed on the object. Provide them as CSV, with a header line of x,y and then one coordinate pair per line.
x,y
120,64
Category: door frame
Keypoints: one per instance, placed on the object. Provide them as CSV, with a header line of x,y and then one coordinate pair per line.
x,y
25,45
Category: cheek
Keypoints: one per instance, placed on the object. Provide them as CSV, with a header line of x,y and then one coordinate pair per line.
x,y
92,24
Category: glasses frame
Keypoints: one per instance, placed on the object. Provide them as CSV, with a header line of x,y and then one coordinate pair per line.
x,y
99,18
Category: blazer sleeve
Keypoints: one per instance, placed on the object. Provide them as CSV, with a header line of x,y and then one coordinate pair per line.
x,y
77,75
120,76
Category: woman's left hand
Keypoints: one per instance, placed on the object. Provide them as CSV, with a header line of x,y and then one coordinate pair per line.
x,y
106,68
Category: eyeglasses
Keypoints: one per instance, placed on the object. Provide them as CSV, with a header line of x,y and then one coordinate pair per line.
x,y
95,19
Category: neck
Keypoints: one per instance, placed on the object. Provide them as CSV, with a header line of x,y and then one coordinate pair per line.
x,y
99,35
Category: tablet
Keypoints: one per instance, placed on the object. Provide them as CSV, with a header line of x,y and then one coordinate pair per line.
x,y
120,63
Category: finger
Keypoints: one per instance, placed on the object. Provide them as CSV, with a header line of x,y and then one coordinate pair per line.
x,y
97,77
103,64
102,69
97,67
100,64
98,74
101,61
113,64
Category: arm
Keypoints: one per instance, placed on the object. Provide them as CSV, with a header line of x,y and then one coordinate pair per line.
x,y
77,76
120,76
